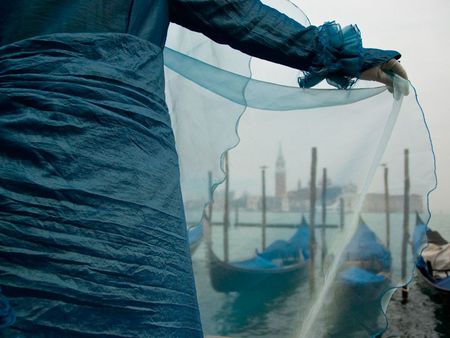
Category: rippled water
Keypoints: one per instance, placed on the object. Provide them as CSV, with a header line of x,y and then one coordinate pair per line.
x,y
424,315
275,314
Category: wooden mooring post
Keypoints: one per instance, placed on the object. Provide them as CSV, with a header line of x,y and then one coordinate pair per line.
x,y
208,220
312,202
405,226
312,221
208,225
263,207
226,211
387,206
324,216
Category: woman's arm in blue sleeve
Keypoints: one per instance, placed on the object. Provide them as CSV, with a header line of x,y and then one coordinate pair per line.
x,y
251,27
261,31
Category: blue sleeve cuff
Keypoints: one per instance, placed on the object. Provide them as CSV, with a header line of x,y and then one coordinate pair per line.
x,y
341,57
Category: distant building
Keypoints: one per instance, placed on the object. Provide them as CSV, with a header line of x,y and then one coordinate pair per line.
x,y
219,199
298,200
375,202
280,175
350,197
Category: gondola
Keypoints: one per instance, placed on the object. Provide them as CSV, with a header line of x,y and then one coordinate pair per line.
x,y
432,276
277,266
195,235
364,276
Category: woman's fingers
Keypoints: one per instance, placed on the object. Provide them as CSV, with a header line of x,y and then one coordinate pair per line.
x,y
394,66
381,74
376,74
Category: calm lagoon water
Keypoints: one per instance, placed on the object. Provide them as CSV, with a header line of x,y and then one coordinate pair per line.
x,y
280,313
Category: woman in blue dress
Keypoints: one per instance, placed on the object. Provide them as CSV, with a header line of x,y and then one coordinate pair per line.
x,y
92,227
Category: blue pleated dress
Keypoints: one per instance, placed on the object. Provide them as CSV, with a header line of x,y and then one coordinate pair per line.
x,y
92,227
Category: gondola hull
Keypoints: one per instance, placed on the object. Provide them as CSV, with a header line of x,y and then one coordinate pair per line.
x,y
354,299
432,288
440,288
354,304
226,277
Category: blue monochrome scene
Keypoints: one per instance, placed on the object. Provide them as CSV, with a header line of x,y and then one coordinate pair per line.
x,y
213,168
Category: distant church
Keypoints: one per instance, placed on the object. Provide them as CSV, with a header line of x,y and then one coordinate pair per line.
x,y
280,175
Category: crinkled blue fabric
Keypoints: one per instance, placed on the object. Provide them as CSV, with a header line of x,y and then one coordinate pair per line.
x,y
343,57
93,236
7,314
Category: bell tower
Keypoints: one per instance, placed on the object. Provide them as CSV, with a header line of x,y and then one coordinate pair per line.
x,y
280,175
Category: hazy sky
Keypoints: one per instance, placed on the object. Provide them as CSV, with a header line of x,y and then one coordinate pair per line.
x,y
420,30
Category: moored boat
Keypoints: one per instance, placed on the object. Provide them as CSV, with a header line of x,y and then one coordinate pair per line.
x,y
433,262
281,263
354,308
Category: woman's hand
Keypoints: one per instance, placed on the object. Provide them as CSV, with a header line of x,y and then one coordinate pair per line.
x,y
380,73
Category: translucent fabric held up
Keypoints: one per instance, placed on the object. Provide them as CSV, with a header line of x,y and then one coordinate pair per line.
x,y
372,152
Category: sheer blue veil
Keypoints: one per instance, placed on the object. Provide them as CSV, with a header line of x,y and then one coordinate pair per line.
x,y
221,100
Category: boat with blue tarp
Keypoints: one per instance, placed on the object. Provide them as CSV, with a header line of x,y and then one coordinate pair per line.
x,y
363,279
282,262
433,262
